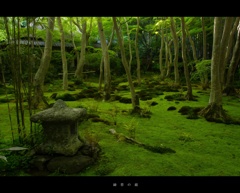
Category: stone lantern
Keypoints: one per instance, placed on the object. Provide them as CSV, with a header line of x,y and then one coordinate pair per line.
x,y
61,150
60,129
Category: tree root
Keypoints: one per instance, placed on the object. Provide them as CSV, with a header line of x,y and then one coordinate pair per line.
x,y
156,149
215,113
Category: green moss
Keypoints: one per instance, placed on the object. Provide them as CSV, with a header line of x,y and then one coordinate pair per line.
x,y
201,148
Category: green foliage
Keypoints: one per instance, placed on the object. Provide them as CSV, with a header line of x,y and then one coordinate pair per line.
x,y
93,107
203,68
131,127
15,163
2,35
56,65
93,61
12,161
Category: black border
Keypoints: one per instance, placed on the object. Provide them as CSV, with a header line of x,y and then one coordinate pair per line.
x,y
120,8
134,183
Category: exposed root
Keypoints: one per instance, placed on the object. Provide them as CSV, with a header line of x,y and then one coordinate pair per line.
x,y
156,149
215,113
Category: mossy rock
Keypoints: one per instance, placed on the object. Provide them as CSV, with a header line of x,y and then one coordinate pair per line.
x,y
145,98
184,110
159,149
125,100
171,108
191,112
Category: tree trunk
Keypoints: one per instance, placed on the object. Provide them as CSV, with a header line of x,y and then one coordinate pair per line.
x,y
224,44
176,50
135,99
107,75
168,62
189,95
205,81
129,45
192,45
161,67
73,42
229,89
137,54
79,70
44,65
101,63
89,30
230,42
204,40
214,111
63,53
193,48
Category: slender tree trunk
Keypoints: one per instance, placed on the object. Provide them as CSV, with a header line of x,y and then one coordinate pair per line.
x,y
189,95
176,50
101,63
214,111
192,45
100,74
137,54
233,66
107,75
169,62
89,30
231,57
63,53
161,67
44,65
135,99
79,70
10,52
73,42
224,44
205,82
129,45
204,39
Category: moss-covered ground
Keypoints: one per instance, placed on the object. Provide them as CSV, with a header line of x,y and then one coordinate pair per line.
x,y
202,148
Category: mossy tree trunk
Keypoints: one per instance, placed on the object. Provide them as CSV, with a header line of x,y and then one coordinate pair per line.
x,y
161,66
229,88
205,81
63,54
80,64
101,63
176,50
137,54
189,95
228,24
44,65
169,54
194,52
232,40
129,45
107,75
135,99
214,111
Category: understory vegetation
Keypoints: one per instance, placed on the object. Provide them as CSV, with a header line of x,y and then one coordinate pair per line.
x,y
168,138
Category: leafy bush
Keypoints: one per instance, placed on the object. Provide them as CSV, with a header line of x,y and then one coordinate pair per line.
x,y
12,161
203,69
